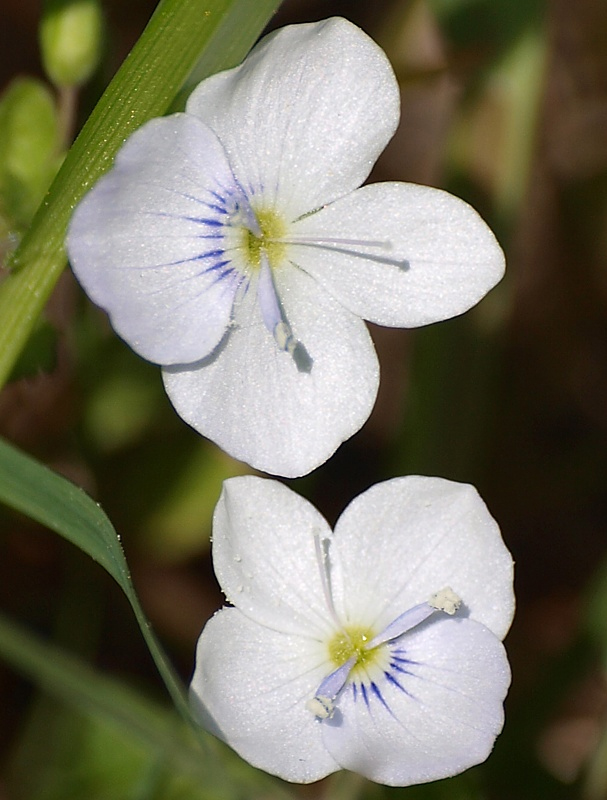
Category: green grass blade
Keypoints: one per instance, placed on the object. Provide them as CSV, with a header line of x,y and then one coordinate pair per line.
x,y
137,720
181,35
41,494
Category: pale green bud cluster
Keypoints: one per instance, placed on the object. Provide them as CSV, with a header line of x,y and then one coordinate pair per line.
x,y
70,40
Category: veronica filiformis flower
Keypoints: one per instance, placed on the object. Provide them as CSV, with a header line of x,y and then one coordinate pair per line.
x,y
231,245
374,648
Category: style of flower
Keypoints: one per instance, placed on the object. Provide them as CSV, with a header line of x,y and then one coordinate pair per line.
x,y
231,245
375,648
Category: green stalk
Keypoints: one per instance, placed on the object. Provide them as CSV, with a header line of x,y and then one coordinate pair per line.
x,y
213,34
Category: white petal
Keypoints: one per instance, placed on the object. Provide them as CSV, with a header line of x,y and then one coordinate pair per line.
x,y
253,400
304,118
145,242
444,717
264,556
250,688
405,539
441,260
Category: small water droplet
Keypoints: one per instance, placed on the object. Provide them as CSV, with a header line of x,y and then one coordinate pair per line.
x,y
237,557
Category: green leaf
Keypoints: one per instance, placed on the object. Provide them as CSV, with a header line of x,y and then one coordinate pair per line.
x,y
180,35
33,489
120,744
41,494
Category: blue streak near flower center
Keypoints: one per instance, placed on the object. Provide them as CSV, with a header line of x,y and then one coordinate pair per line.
x,y
271,311
358,652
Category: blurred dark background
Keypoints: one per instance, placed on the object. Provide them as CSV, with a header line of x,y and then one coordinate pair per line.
x,y
504,102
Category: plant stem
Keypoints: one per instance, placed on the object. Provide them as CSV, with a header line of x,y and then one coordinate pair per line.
x,y
179,36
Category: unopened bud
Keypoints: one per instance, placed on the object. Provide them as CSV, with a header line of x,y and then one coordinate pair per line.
x,y
70,40
29,139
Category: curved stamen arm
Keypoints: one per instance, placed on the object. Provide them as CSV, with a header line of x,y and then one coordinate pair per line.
x,y
446,600
271,311
322,704
414,616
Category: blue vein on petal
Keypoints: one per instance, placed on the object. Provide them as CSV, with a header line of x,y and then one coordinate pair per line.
x,y
233,289
223,196
215,223
402,671
218,278
391,679
397,663
215,207
376,691
199,257
201,220
212,253
395,657
363,690
212,268
229,192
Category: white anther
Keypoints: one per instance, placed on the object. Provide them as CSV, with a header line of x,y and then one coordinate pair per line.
x,y
321,707
284,337
446,600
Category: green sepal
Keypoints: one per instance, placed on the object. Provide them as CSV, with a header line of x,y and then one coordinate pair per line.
x,y
29,143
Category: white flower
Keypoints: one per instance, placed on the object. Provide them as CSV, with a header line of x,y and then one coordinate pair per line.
x,y
231,245
376,648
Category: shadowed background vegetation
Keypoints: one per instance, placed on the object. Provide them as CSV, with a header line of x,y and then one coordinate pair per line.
x,y
504,102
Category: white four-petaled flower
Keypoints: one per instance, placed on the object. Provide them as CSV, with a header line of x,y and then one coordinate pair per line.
x,y
374,648
231,245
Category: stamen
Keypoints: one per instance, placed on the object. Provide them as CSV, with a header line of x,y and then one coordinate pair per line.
x,y
446,600
403,623
284,337
271,311
321,707
331,686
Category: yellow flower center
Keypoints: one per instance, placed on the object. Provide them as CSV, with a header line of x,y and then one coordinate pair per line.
x,y
352,642
272,228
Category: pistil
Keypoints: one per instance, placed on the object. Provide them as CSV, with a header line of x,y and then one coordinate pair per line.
x,y
265,245
355,248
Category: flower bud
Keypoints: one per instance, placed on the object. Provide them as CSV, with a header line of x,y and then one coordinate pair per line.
x,y
29,139
70,39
